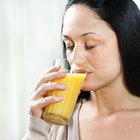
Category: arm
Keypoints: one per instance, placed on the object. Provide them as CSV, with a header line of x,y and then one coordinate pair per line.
x,y
38,129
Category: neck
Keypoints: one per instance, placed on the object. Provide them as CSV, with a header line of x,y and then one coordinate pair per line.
x,y
113,98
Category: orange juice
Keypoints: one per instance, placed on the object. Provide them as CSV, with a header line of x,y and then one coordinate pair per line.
x,y
60,112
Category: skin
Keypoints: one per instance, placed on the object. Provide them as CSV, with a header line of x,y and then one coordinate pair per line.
x,y
111,113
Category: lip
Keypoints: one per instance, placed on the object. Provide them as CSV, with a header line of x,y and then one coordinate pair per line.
x,y
88,72
79,70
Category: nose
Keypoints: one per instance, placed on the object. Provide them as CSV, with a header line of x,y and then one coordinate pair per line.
x,y
77,56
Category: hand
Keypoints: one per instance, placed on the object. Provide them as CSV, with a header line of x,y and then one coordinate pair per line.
x,y
39,99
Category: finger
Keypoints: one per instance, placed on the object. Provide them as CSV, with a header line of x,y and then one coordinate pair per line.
x,y
45,88
49,77
52,69
37,106
48,100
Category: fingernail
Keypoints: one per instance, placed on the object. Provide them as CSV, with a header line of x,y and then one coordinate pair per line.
x,y
59,98
62,86
63,74
57,67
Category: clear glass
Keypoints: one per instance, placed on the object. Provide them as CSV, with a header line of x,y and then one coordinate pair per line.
x,y
60,113
65,67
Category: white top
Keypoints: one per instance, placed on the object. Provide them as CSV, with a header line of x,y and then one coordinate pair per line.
x,y
38,129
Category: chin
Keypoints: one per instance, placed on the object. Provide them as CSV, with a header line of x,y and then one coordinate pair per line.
x,y
89,86
86,88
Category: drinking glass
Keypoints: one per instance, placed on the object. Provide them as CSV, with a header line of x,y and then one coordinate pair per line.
x,y
60,112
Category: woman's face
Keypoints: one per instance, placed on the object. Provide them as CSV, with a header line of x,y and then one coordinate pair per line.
x,y
91,46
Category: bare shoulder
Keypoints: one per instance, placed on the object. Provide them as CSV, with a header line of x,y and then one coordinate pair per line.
x,y
123,124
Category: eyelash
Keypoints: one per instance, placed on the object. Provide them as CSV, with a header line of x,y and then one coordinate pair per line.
x,y
72,46
69,48
89,47
86,47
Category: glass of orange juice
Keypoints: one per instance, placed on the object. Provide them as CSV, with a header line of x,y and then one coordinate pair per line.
x,y
60,113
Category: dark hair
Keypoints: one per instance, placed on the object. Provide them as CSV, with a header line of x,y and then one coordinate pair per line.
x,y
123,16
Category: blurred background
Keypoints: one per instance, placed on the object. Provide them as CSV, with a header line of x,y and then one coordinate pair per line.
x,y
29,42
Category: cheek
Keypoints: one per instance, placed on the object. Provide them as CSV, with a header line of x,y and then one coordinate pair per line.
x,y
105,70
113,61
106,57
108,65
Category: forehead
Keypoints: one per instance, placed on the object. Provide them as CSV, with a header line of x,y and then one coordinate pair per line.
x,y
81,8
79,19
80,16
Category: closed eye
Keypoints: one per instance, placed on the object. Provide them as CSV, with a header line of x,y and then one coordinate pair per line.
x,y
89,47
69,48
69,45
90,44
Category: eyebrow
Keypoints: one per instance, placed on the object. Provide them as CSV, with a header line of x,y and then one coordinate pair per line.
x,y
84,34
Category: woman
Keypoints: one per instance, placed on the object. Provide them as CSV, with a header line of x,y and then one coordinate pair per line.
x,y
102,38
